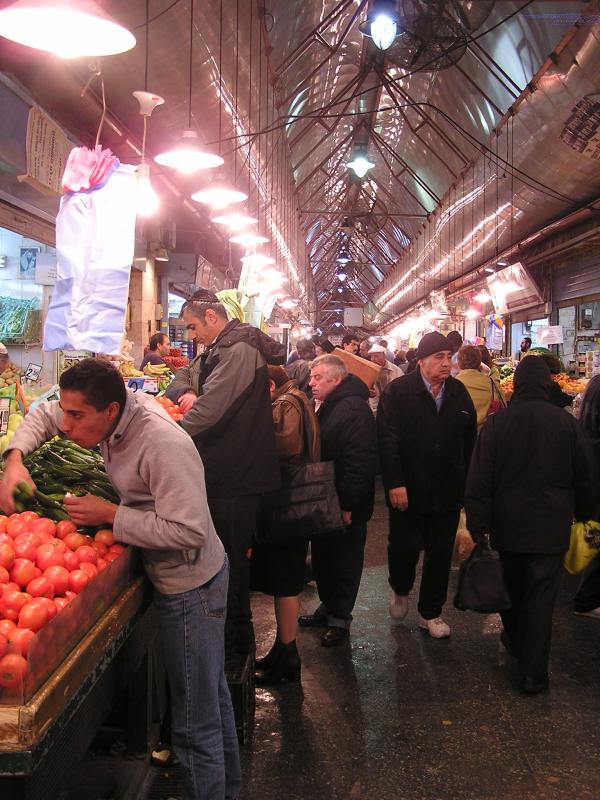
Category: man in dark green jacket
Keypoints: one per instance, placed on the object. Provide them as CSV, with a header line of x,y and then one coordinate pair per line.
x,y
427,427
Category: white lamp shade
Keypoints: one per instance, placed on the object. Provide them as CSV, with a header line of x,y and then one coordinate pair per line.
x,y
219,195
147,201
68,28
248,239
236,221
383,31
187,156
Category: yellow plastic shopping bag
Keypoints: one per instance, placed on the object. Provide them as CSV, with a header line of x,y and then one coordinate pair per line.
x,y
583,546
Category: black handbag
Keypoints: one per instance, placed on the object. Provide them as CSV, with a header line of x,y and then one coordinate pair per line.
x,y
305,506
481,582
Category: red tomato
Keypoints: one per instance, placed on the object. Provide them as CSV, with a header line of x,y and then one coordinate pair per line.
x,y
101,549
74,540
116,548
105,536
34,615
87,553
6,626
71,560
6,539
16,526
44,524
60,603
69,595
18,640
25,546
58,577
65,527
3,646
78,580
110,557
7,556
4,576
50,606
3,519
12,671
40,587
89,569
23,571
101,564
44,536
29,517
50,555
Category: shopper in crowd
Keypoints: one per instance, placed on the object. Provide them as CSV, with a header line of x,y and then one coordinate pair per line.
x,y
158,475
158,347
278,570
525,346
456,341
388,353
587,599
363,348
387,373
427,427
401,361
484,391
556,396
487,362
350,343
348,439
323,347
411,357
530,475
299,370
224,395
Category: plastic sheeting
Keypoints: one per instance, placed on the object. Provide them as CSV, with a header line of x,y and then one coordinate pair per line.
x,y
95,236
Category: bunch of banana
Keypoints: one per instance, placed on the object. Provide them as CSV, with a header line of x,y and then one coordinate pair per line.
x,y
156,370
230,299
129,371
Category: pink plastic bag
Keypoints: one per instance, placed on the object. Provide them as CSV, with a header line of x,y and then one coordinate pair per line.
x,y
88,169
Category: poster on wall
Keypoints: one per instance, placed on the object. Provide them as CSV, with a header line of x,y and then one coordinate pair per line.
x,y
27,261
550,334
47,153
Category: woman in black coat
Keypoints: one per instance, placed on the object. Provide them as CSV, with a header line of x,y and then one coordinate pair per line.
x,y
531,473
587,599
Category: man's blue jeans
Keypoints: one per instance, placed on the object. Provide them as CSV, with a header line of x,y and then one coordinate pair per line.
x,y
203,726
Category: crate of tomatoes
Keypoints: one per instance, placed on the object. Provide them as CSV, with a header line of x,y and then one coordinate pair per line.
x,y
55,583
172,409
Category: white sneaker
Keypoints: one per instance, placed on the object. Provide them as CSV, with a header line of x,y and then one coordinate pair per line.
x,y
438,629
398,606
593,612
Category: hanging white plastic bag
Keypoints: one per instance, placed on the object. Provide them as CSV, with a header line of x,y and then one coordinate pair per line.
x,y
95,238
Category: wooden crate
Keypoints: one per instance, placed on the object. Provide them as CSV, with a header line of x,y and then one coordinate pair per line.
x,y
363,369
23,726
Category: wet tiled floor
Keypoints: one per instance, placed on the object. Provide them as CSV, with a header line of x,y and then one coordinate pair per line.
x,y
395,714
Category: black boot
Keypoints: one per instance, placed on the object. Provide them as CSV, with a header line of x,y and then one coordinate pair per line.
x,y
267,661
284,669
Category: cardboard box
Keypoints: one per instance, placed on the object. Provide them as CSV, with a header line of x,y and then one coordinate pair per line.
x,y
363,369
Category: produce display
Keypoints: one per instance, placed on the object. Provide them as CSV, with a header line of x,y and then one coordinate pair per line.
x,y
569,385
129,371
172,409
11,374
44,566
58,467
175,360
19,321
14,420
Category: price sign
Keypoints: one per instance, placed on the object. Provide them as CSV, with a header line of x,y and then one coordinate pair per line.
x,y
32,373
4,414
149,385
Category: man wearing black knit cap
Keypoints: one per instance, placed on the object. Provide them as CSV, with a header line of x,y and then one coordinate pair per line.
x,y
427,427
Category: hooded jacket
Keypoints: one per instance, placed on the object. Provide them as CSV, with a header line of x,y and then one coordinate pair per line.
x,y
231,422
158,475
423,450
348,439
531,471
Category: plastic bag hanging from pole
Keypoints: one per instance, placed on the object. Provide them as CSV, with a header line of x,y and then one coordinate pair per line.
x,y
95,238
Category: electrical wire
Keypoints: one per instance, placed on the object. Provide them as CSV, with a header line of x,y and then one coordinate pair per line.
x,y
158,16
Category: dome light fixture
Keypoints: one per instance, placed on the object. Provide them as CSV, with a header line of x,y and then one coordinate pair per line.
x,y
360,165
236,220
482,296
67,28
187,155
381,24
343,259
248,239
219,195
473,313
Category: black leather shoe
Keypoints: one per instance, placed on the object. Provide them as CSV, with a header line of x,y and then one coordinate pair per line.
x,y
335,636
531,685
312,621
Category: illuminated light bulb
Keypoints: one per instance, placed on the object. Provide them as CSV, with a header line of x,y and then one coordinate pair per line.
x,y
384,30
472,313
67,28
248,239
482,297
234,220
360,165
257,260
218,195
147,201
187,156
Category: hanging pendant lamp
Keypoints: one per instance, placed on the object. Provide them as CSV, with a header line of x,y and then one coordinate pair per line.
x,y
248,239
67,28
219,195
236,221
187,155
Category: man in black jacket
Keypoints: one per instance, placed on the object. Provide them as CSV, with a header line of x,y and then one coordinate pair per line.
x,y
427,427
530,475
348,439
225,398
